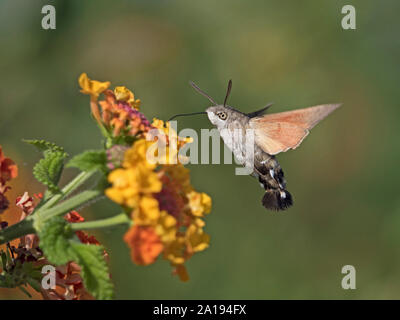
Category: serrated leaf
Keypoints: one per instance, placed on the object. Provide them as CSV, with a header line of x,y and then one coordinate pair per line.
x,y
54,234
56,241
94,272
43,145
89,160
48,170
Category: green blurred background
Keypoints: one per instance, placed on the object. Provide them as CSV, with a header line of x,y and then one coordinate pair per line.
x,y
344,177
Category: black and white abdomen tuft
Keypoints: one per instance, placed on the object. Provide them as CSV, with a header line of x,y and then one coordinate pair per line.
x,y
271,177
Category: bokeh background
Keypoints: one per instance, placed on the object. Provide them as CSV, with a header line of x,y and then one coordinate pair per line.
x,y
344,177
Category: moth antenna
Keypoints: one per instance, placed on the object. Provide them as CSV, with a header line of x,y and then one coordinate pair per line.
x,y
228,91
195,87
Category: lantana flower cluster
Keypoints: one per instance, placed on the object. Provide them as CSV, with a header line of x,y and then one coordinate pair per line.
x,y
140,167
167,213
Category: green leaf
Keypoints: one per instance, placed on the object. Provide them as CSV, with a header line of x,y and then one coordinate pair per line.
x,y
94,272
43,145
48,170
54,234
89,160
58,244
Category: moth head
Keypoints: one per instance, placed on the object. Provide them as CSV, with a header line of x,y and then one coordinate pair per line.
x,y
218,115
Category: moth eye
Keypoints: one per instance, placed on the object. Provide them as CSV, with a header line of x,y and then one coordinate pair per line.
x,y
221,115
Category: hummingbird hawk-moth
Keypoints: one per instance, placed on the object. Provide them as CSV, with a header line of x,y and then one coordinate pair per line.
x,y
273,133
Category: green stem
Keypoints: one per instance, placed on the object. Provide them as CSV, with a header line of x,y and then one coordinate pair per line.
x,y
70,187
17,230
104,131
33,223
68,205
121,218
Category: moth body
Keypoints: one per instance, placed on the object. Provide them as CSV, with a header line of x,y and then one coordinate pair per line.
x,y
265,168
272,133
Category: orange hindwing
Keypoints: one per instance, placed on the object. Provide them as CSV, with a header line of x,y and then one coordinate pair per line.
x,y
279,132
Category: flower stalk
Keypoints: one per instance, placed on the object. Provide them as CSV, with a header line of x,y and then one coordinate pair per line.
x,y
17,230
119,219
32,223
68,189
68,205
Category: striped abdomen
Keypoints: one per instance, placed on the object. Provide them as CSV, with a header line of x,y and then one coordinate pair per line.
x,y
270,175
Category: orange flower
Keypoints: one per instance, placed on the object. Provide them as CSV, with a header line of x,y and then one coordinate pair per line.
x,y
120,113
145,244
73,217
8,168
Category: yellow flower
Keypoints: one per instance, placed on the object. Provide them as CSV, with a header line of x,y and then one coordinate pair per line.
x,y
197,239
164,127
124,94
128,184
147,181
147,213
171,133
137,155
92,87
120,182
174,251
169,156
199,203
159,124
168,143
166,227
199,222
